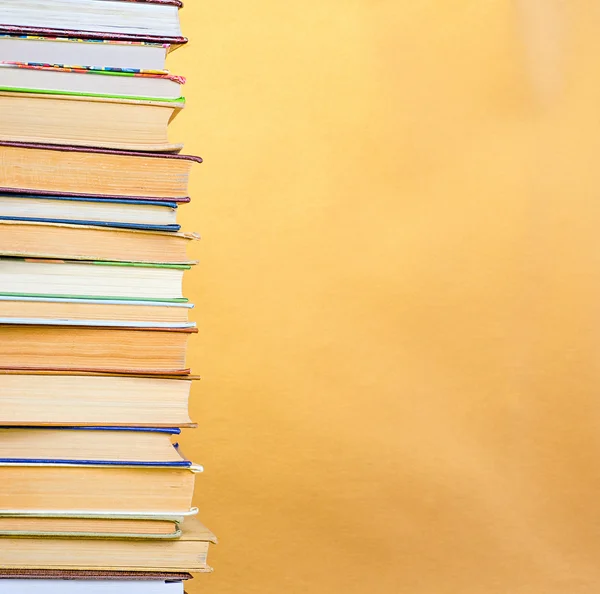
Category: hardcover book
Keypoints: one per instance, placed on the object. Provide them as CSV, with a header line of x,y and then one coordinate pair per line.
x,y
91,446
51,49
136,351
136,20
97,212
50,169
110,490
80,120
90,81
90,525
79,242
187,553
173,313
60,398
102,281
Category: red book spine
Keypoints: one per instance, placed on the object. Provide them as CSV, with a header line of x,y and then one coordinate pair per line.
x,y
43,32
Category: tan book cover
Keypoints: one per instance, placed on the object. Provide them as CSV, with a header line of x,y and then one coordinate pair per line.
x,y
76,120
188,553
63,398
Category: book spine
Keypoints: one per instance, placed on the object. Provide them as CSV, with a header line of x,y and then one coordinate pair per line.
x,y
47,32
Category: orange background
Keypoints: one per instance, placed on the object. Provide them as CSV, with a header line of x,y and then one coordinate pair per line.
x,y
398,293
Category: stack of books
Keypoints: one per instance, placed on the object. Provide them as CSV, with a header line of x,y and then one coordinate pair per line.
x,y
94,385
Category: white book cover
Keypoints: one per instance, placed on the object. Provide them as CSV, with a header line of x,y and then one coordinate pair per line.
x,y
89,587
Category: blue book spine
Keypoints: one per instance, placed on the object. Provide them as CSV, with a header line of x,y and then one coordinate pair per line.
x,y
68,462
95,223
167,430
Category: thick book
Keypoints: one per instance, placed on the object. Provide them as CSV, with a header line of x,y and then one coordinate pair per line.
x,y
92,81
81,309
80,120
51,169
123,213
136,351
136,20
108,490
60,50
188,553
80,242
95,445
105,281
59,398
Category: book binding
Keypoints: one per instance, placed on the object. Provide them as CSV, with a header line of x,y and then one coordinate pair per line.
x,y
48,32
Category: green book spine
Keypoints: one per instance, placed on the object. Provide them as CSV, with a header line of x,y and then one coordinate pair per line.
x,y
141,264
179,100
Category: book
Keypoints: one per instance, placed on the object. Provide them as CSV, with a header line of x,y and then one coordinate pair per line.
x,y
70,308
93,81
79,242
90,525
126,214
74,171
80,120
60,50
89,587
106,281
188,553
91,574
108,490
137,20
60,398
134,351
91,446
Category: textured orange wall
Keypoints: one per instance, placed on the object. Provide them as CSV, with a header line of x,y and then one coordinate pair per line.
x,y
398,293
